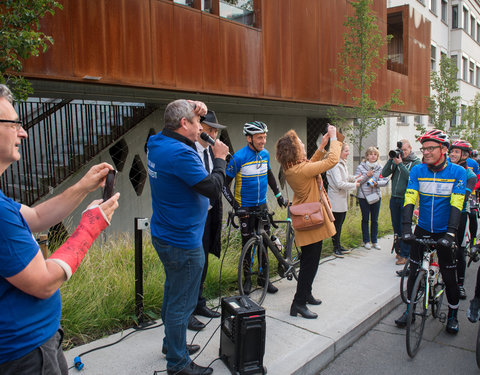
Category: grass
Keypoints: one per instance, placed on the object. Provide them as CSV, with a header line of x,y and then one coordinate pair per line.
x,y
100,298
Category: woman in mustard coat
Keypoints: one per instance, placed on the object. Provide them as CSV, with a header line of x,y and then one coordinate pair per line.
x,y
302,174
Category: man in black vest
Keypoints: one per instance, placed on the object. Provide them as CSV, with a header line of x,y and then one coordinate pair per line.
x,y
213,224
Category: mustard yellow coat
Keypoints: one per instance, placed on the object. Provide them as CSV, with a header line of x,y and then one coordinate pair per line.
x,y
302,178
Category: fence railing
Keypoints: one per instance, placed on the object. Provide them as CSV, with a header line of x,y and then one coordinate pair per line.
x,y
62,137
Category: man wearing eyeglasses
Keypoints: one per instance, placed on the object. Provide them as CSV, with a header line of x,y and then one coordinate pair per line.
x,y
30,302
440,187
250,167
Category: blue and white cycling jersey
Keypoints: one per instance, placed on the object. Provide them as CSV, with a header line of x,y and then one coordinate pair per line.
x,y
250,170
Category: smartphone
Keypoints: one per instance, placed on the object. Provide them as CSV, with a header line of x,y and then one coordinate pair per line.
x,y
109,185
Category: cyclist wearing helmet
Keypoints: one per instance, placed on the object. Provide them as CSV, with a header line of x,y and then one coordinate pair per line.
x,y
459,152
440,187
250,167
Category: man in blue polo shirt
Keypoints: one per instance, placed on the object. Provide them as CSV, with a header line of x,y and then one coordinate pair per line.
x,y
181,189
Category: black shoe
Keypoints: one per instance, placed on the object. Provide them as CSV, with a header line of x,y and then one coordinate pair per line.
x,y
247,286
192,369
452,322
462,294
272,289
311,300
338,253
302,310
402,321
401,273
206,312
345,251
192,349
194,324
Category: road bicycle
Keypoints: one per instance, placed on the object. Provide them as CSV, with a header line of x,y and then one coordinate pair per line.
x,y
254,263
428,290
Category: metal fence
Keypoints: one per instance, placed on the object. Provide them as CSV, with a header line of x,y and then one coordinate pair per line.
x,y
62,137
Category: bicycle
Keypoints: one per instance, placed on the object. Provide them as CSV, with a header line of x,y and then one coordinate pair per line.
x,y
428,289
253,265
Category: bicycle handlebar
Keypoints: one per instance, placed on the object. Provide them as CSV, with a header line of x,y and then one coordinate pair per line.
x,y
259,213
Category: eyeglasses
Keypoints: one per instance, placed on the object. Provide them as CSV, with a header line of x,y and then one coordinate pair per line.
x,y
17,124
429,149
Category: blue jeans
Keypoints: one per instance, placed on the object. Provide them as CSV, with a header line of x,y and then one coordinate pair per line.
x,y
369,210
183,270
396,213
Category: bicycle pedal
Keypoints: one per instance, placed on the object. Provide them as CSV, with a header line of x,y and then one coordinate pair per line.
x,y
442,317
289,277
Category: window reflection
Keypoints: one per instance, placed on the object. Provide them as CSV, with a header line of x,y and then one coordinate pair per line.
x,y
188,3
238,11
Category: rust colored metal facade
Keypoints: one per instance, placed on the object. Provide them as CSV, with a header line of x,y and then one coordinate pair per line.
x,y
288,56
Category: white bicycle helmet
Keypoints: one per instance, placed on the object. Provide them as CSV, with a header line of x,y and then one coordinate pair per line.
x,y
255,127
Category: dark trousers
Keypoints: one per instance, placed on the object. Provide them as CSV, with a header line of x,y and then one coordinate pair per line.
x,y
339,219
46,359
396,213
446,261
308,269
206,247
369,213
473,226
461,254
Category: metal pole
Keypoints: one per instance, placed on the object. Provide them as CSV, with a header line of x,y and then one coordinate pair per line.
x,y
140,225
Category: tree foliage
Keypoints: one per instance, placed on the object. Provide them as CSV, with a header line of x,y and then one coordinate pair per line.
x,y
443,104
358,64
21,38
471,123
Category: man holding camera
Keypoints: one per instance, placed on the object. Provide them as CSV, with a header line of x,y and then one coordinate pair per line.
x,y
399,164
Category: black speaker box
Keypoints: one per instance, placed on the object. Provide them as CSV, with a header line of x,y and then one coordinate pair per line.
x,y
242,336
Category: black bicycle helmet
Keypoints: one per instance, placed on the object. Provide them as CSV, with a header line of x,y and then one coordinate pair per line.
x,y
255,127
435,135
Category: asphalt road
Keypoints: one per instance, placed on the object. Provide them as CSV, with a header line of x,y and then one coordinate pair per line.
x,y
382,350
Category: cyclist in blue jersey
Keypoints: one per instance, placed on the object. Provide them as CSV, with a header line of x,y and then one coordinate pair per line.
x,y
440,187
250,167
459,152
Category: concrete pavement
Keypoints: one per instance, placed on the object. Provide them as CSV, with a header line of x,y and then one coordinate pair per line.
x,y
357,292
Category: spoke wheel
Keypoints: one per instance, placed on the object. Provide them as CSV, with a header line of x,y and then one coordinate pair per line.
x,y
417,315
292,255
437,298
253,270
403,281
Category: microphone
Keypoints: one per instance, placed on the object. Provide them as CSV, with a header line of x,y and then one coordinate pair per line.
x,y
207,138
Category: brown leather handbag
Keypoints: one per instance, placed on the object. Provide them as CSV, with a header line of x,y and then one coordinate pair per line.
x,y
306,216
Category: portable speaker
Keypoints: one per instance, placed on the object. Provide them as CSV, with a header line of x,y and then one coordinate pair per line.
x,y
242,336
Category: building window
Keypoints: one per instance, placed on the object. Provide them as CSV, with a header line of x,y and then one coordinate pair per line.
x,y
472,72
454,16
465,69
241,12
478,32
464,109
433,6
395,59
421,2
472,27
478,76
443,55
433,58
418,120
444,11
188,3
402,120
465,20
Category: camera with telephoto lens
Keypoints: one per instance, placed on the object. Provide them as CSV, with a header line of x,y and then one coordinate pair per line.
x,y
396,153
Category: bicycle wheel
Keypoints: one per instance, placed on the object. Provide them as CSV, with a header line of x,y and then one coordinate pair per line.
x,y
437,298
477,351
253,270
403,281
292,252
417,315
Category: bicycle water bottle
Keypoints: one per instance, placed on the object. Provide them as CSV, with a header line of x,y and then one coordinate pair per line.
x,y
277,242
433,272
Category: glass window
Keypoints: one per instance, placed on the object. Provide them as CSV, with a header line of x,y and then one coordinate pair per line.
x,y
444,10
433,6
465,69
454,16
464,109
472,26
433,58
465,20
472,72
418,120
188,3
478,76
478,32
207,6
238,11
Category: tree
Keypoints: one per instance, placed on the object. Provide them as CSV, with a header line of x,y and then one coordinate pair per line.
x,y
471,123
359,62
443,104
21,38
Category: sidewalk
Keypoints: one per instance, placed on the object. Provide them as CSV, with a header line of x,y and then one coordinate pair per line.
x,y
357,291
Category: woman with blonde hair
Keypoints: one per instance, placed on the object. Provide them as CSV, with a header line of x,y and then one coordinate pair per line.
x,y
303,177
369,195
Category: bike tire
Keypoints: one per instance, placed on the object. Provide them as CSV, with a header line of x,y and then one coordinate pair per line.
x,y
250,269
477,351
417,315
292,252
438,288
403,282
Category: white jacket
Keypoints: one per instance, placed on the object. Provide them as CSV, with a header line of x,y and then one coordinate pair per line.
x,y
339,183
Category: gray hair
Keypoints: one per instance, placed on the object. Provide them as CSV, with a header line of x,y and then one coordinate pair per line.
x,y
175,111
6,93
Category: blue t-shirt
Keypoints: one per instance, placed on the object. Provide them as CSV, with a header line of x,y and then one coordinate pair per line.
x,y
473,165
250,170
437,192
26,322
179,212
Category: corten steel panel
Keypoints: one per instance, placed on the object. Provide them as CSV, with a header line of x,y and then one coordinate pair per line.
x,y
88,37
188,41
128,41
210,52
163,44
58,60
305,45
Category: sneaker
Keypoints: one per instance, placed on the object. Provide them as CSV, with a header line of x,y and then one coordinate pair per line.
x,y
401,273
452,322
462,293
473,312
367,245
402,321
377,246
338,254
401,261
